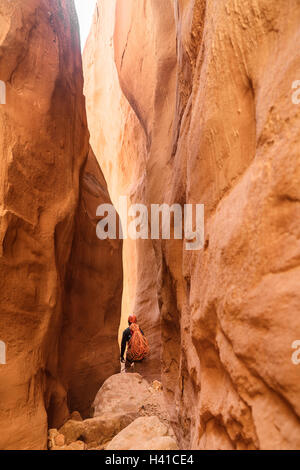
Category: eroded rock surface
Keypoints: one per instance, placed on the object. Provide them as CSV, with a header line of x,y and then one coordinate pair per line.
x,y
129,394
143,434
203,113
44,146
57,441
122,399
93,290
125,392
121,157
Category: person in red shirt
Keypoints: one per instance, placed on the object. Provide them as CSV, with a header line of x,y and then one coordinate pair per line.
x,y
141,345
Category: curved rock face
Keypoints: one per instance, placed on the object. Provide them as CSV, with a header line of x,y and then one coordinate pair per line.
x,y
209,119
44,145
120,148
89,348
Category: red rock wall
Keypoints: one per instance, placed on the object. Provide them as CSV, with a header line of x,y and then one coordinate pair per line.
x,y
89,343
44,145
209,119
120,148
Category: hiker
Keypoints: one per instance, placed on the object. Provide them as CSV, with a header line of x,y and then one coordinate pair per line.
x,y
137,344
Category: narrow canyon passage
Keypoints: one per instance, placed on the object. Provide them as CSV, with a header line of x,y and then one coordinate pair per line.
x,y
171,102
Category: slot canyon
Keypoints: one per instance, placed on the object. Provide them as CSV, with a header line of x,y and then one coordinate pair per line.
x,y
171,102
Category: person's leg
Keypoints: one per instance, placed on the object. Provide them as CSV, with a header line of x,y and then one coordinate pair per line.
x,y
122,366
129,366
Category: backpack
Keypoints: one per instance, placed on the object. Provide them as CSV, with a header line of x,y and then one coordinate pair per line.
x,y
138,347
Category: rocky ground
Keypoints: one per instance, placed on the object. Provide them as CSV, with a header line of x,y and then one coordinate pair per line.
x,y
129,414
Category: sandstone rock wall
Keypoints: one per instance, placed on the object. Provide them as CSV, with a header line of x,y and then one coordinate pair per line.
x,y
89,348
120,148
202,113
44,145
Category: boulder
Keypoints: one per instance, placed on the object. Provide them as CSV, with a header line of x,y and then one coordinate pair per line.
x,y
121,399
121,393
75,416
52,434
129,394
95,432
145,433
78,445
59,440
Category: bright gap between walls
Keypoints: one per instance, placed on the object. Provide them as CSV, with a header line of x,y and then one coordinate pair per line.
x,y
85,11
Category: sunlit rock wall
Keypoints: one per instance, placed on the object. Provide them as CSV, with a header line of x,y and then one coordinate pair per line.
x,y
203,113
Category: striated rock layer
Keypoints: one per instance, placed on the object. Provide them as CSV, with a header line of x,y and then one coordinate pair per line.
x,y
191,102
48,332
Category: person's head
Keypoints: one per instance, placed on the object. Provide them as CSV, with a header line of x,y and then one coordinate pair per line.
x,y
131,319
